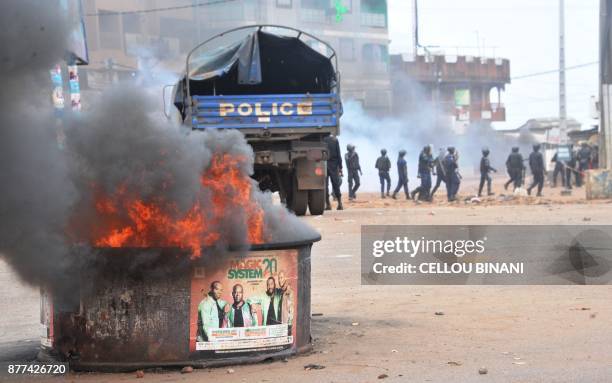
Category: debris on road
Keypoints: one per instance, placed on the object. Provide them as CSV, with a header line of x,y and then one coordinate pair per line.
x,y
312,366
139,374
230,370
355,324
383,376
439,312
453,363
317,314
187,370
483,371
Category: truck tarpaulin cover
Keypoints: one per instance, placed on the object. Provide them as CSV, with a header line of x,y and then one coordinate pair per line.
x,y
262,63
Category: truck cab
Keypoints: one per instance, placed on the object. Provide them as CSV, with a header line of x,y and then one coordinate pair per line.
x,y
269,83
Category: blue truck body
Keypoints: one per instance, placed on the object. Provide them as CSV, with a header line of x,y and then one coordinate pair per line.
x,y
280,93
284,111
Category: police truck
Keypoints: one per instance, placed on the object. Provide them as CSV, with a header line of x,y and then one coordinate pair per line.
x,y
280,87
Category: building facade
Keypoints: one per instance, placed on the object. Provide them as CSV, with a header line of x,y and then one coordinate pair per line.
x,y
124,37
466,87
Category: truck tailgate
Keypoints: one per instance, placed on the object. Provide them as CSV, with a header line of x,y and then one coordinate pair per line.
x,y
279,111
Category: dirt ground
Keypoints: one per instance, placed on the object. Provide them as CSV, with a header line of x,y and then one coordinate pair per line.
x,y
392,333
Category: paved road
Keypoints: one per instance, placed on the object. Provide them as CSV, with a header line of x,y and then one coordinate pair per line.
x,y
519,333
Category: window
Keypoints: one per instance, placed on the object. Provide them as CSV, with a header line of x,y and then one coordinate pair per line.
x,y
110,30
373,20
316,4
170,27
284,3
375,53
374,13
376,56
131,23
374,6
315,11
346,50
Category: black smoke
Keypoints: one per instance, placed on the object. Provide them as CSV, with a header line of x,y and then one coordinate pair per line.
x,y
118,142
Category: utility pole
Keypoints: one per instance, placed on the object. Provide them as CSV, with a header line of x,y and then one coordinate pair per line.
x,y
415,32
562,99
196,19
605,85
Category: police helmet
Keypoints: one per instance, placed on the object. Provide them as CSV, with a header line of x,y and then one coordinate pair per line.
x,y
350,147
536,147
402,153
485,151
451,149
383,151
515,149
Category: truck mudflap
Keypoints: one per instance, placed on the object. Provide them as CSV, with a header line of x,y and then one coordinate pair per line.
x,y
310,174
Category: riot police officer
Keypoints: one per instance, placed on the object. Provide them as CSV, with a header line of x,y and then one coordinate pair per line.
x,y
559,169
536,164
383,164
515,167
583,158
485,169
424,168
354,170
334,170
440,175
451,169
402,175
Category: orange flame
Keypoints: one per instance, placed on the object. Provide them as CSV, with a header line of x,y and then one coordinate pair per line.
x,y
124,221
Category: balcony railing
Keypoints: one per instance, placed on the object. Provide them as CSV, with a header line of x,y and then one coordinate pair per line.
x,y
378,20
313,15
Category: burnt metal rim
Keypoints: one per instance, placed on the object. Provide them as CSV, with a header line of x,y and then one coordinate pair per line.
x,y
255,247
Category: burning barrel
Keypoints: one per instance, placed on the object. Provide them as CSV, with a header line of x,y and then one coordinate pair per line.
x,y
139,308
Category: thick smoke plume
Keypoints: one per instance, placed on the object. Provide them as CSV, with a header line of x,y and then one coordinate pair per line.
x,y
418,124
50,200
36,193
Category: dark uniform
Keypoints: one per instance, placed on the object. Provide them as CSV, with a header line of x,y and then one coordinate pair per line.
x,y
383,164
402,175
536,164
515,167
451,169
354,170
583,158
440,175
334,170
485,169
558,170
425,166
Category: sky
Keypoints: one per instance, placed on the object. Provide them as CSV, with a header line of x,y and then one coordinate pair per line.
x,y
524,31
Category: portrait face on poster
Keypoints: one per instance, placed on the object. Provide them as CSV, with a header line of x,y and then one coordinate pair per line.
x,y
244,303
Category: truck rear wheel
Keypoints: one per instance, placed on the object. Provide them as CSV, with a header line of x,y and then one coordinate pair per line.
x,y
299,199
316,202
